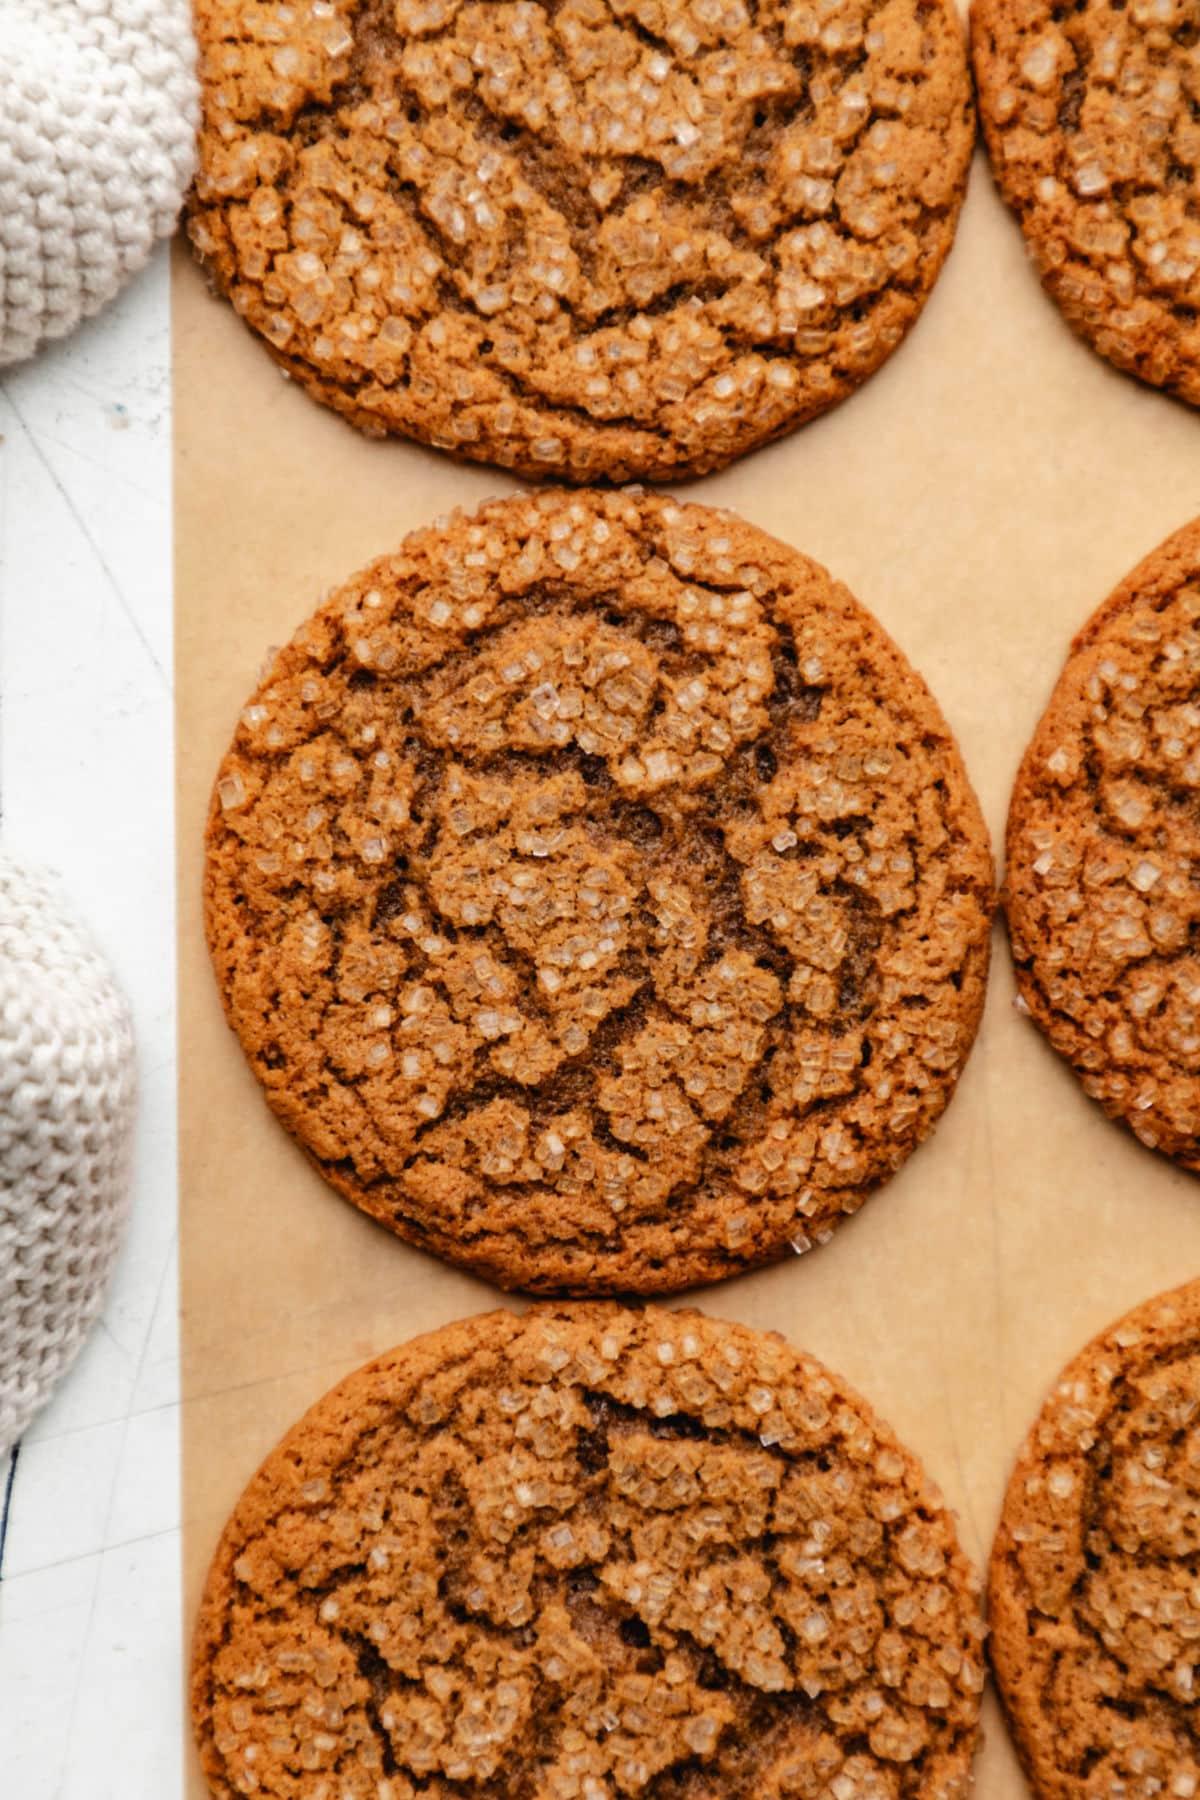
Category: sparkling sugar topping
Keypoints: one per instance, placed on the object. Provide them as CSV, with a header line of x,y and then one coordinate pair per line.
x,y
541,1557
589,237
624,918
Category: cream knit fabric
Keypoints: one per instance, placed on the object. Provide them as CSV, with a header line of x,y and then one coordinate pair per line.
x,y
66,1130
98,115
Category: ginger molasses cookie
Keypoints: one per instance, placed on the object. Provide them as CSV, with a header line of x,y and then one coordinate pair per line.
x,y
597,238
1093,1592
1102,889
586,1554
1090,116
598,894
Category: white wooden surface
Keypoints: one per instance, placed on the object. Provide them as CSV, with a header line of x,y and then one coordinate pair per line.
x,y
89,1590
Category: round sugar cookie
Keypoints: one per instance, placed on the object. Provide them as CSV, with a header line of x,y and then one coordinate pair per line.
x,y
588,1554
1101,887
596,239
1093,1589
1090,115
598,894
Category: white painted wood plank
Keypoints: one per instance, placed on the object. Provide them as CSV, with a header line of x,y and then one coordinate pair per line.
x,y
89,1591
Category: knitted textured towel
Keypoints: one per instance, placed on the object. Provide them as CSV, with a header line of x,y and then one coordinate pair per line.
x,y
66,1131
98,117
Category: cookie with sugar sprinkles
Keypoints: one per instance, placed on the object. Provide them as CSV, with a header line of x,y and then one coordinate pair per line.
x,y
1101,887
1090,112
586,1554
598,894
595,239
1093,1599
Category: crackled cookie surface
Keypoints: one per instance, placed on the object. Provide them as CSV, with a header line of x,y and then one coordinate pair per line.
x,y
1094,1599
1102,895
1090,114
598,894
588,238
584,1555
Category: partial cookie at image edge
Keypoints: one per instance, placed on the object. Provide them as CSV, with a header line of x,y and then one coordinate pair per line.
x,y
1058,1674
1089,158
706,239
755,1432
1052,770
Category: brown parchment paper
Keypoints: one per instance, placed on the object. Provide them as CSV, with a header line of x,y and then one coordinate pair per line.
x,y
981,494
